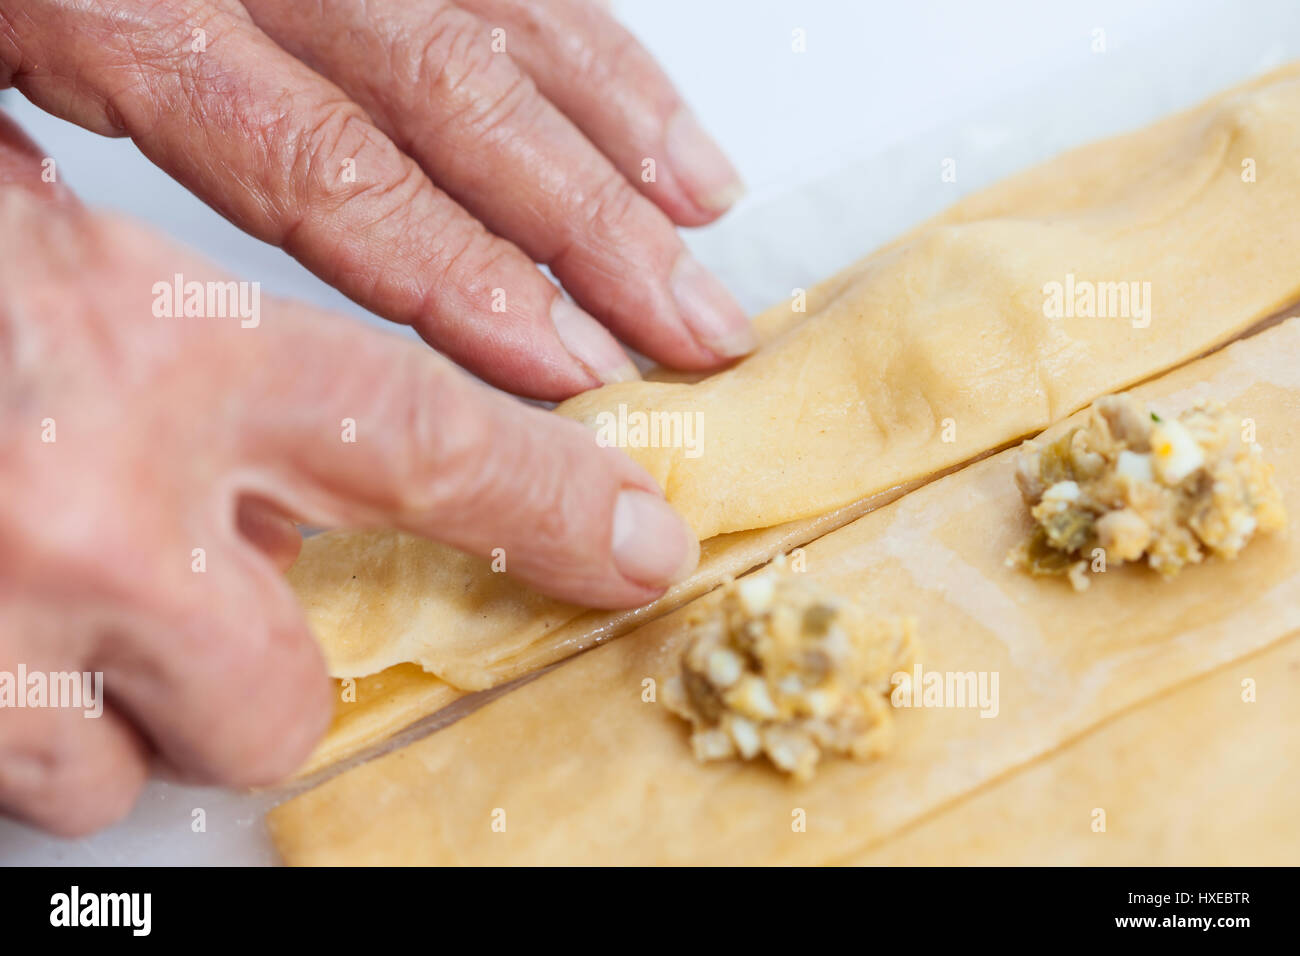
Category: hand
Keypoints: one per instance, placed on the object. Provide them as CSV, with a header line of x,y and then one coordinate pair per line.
x,y
149,468
324,127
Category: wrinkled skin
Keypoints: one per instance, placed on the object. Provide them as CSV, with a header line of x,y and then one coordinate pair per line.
x,y
152,469
544,144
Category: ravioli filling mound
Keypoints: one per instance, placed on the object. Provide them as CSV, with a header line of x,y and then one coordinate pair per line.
x,y
783,668
1136,485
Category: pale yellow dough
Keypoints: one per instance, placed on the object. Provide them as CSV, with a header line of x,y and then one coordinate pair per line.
x,y
849,399
949,324
586,770
1197,777
371,586
372,708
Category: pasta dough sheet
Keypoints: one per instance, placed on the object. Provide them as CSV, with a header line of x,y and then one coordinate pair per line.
x,y
950,323
925,355
374,708
584,770
1195,777
363,587
367,583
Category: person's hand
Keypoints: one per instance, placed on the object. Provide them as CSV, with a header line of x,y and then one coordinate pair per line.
x,y
376,139
149,466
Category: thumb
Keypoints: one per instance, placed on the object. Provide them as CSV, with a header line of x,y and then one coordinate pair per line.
x,y
377,431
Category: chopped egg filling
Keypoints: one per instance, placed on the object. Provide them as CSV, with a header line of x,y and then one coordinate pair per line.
x,y
1131,485
784,669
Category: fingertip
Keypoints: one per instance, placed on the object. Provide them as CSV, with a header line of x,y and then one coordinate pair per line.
x,y
73,784
591,344
649,542
712,315
115,796
294,723
706,174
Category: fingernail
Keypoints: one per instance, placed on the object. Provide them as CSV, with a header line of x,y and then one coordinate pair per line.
x,y
651,544
703,168
587,341
712,315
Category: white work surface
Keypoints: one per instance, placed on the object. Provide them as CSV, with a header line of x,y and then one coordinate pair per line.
x,y
841,146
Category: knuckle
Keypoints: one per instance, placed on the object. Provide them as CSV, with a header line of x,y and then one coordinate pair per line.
x,y
482,95
161,75
317,145
605,219
562,520
554,512
317,150
453,50
527,490
468,259
441,442
509,112
609,207
597,65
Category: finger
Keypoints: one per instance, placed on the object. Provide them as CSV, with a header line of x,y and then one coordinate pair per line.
x,y
25,165
69,769
68,774
269,531
236,695
597,73
477,124
402,439
287,157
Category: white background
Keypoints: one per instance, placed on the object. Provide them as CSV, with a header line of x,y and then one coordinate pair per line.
x,y
841,147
